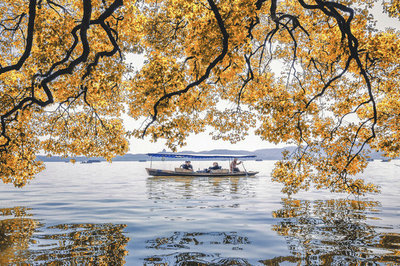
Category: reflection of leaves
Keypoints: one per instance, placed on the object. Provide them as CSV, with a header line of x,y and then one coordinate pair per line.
x,y
15,234
391,242
21,241
84,243
281,259
187,240
194,258
326,231
183,239
16,212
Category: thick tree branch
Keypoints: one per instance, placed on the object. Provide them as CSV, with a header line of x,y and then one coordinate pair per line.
x,y
220,57
29,40
51,75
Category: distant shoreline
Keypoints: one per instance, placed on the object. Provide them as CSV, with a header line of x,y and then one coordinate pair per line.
x,y
262,154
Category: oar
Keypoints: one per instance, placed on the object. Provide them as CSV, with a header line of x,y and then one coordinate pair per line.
x,y
244,168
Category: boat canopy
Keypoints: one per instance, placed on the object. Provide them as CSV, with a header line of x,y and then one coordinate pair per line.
x,y
199,156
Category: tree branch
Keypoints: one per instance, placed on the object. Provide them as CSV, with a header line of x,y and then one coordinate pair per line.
x,y
220,57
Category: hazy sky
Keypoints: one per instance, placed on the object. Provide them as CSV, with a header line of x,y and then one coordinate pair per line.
x,y
200,142
203,141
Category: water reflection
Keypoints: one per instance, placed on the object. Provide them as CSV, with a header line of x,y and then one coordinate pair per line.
x,y
320,232
324,232
189,187
229,223
186,242
15,234
317,232
25,240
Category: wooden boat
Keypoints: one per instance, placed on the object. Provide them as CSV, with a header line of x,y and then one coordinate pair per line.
x,y
184,172
211,173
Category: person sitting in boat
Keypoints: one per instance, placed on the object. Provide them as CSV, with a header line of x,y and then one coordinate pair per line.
x,y
234,165
187,165
214,167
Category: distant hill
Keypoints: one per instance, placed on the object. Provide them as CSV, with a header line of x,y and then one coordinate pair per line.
x,y
262,154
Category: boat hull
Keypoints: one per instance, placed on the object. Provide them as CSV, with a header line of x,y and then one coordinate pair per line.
x,y
159,172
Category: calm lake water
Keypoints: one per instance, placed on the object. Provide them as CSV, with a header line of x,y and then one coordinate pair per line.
x,y
115,214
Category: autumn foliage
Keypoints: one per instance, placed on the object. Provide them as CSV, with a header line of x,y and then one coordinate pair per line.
x,y
317,74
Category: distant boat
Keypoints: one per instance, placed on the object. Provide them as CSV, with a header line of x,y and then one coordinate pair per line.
x,y
386,160
191,173
91,161
258,160
142,161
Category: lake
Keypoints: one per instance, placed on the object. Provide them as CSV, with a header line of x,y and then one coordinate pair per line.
x,y
115,214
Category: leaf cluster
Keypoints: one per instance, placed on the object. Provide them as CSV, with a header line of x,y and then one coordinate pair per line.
x,y
317,74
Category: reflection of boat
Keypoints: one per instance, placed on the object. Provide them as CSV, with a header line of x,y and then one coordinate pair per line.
x,y
212,173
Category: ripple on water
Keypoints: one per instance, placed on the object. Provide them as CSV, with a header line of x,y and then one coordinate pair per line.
x,y
115,214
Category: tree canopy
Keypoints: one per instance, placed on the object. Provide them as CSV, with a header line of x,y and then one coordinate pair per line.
x,y
317,74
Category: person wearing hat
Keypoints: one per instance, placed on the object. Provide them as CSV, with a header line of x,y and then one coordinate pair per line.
x,y
187,166
215,166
